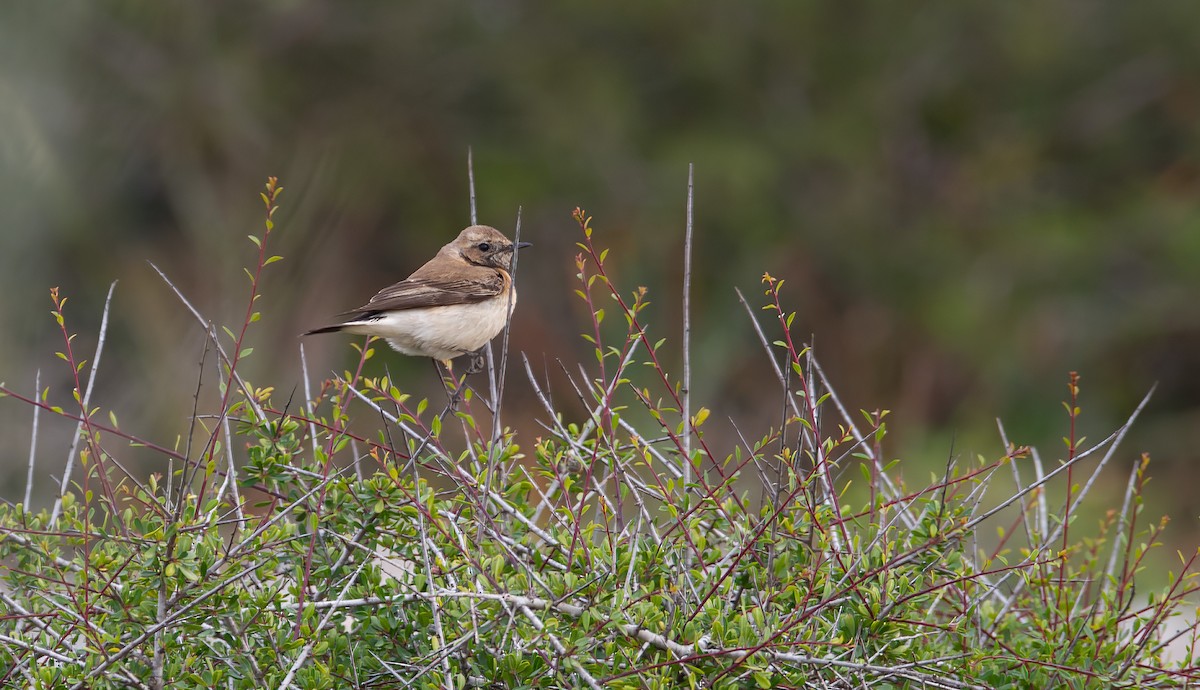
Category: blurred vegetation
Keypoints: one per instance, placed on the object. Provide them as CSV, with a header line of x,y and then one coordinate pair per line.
x,y
967,200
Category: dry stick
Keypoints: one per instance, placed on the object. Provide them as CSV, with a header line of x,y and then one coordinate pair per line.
x,y
1087,487
216,340
22,668
821,463
78,620
640,442
471,183
160,648
41,651
589,477
452,525
87,396
308,401
358,472
149,632
1016,479
498,394
456,471
1043,511
187,449
491,360
433,605
970,525
686,393
684,652
45,629
26,617
575,445
230,482
303,655
1158,617
231,478
892,491
494,389
816,366
1120,529
444,652
497,379
37,391
779,372
1042,479
236,549
560,648
593,420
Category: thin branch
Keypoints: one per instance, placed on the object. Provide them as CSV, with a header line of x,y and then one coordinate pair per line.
x,y
686,390
37,392
84,406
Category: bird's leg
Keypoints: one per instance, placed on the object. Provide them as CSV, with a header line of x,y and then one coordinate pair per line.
x,y
453,386
451,400
476,361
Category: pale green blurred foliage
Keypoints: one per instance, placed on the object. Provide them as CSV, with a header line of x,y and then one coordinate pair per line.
x,y
967,201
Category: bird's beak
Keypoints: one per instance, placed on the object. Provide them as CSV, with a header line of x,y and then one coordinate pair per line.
x,y
522,245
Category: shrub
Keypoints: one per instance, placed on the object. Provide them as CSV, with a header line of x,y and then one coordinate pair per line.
x,y
281,549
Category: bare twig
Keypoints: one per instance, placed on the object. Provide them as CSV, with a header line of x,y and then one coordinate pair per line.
x,y
37,392
686,390
216,340
309,404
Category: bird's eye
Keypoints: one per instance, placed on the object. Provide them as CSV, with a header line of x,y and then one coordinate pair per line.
x,y
484,246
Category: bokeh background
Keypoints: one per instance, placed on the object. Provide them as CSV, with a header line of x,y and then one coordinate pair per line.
x,y
967,200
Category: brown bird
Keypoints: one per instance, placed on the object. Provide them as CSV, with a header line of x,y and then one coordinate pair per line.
x,y
453,305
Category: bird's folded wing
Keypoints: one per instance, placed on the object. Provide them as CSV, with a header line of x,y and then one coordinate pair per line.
x,y
415,293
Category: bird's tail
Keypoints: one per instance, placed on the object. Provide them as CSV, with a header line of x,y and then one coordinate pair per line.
x,y
325,329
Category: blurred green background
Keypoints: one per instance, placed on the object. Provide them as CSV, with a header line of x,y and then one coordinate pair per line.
x,y
967,200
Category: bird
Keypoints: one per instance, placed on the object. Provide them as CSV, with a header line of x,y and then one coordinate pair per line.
x,y
451,306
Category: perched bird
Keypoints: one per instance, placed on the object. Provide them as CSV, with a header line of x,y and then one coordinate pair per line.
x,y
453,305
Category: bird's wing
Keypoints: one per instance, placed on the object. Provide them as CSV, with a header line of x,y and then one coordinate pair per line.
x,y
414,293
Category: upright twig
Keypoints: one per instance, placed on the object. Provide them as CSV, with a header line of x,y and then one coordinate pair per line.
x,y
309,405
686,391
471,184
37,392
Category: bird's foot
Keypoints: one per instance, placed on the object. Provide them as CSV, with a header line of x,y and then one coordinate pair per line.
x,y
452,384
476,361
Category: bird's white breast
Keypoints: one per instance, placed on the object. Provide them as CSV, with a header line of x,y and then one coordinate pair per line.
x,y
440,332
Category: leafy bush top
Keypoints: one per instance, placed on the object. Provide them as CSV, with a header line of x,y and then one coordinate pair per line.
x,y
281,549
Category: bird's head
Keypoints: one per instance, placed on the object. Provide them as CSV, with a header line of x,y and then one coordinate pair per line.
x,y
483,245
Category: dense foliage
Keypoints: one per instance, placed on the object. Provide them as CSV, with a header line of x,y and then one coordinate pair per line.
x,y
286,547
